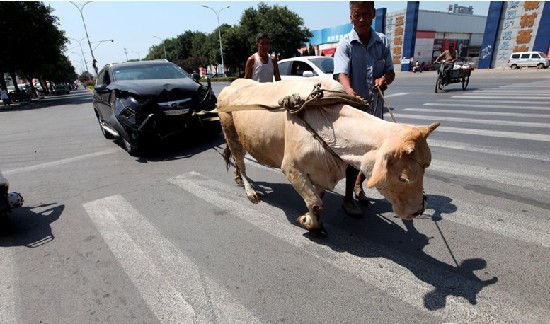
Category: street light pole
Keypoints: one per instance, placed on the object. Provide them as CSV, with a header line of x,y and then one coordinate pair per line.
x,y
102,41
81,9
219,31
164,46
81,50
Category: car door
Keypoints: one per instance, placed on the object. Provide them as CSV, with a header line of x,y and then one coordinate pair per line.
x,y
102,95
524,59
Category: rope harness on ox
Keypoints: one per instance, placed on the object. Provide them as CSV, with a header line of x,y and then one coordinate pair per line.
x,y
296,106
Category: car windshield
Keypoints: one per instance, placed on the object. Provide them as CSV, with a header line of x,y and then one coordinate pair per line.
x,y
149,72
326,64
542,55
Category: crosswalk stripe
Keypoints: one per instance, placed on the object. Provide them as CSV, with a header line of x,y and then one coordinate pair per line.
x,y
396,280
469,147
8,296
479,121
505,105
506,177
165,277
476,113
494,133
500,97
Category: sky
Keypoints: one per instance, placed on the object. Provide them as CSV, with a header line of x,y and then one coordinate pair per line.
x,y
135,26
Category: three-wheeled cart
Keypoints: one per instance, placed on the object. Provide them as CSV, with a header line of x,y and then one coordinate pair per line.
x,y
458,74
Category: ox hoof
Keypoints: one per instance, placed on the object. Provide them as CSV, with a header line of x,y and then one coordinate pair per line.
x,y
254,198
239,181
318,232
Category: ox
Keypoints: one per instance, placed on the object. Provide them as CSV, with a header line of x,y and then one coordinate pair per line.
x,y
393,156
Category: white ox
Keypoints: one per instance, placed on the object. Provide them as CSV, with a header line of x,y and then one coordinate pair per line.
x,y
393,156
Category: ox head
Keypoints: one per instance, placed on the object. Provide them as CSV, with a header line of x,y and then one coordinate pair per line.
x,y
398,171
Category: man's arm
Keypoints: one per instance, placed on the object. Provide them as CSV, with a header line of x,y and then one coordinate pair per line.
x,y
249,67
346,83
276,72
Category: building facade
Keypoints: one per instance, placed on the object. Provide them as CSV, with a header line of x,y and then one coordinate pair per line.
x,y
510,26
514,26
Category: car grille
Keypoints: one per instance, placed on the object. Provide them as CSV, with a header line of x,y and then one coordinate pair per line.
x,y
175,107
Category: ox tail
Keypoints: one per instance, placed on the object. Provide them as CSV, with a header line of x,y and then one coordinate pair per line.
x,y
227,156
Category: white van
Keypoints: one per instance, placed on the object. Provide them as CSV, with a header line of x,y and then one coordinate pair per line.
x,y
525,59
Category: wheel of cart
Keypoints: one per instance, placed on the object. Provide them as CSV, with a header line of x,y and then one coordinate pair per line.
x,y
465,81
439,84
466,78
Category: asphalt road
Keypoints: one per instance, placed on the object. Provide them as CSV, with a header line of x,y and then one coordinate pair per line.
x,y
169,238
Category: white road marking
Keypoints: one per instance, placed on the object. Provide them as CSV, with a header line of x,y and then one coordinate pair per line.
x,y
58,162
396,280
501,97
480,121
8,285
486,150
494,133
476,113
507,105
168,281
399,94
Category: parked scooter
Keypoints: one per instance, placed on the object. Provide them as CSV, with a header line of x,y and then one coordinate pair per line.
x,y
8,200
417,67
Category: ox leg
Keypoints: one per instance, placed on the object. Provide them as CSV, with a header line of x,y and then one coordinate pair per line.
x,y
311,220
238,152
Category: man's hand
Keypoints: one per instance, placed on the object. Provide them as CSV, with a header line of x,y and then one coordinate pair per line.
x,y
380,83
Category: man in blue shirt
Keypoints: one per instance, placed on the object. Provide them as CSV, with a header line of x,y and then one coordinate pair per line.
x,y
363,65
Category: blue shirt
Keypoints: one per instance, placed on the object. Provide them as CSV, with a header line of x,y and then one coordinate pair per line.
x,y
363,64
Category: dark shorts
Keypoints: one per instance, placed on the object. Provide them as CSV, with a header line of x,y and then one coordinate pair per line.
x,y
351,172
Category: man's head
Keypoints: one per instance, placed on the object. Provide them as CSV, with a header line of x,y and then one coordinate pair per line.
x,y
451,46
263,43
361,15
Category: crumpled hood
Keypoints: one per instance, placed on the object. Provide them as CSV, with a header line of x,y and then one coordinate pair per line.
x,y
154,87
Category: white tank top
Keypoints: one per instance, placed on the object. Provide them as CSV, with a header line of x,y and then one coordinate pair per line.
x,y
262,72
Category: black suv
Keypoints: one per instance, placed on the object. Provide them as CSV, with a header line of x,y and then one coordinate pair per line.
x,y
150,100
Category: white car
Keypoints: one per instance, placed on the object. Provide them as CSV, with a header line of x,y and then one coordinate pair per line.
x,y
300,67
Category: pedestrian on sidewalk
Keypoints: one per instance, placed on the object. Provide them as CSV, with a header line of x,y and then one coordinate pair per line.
x,y
5,97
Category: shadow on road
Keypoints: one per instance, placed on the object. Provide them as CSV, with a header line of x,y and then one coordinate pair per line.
x,y
377,236
30,226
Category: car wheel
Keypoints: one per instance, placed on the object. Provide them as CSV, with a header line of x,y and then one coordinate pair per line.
x,y
540,66
105,133
131,148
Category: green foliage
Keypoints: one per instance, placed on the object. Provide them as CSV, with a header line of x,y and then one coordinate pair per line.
x,y
193,49
32,44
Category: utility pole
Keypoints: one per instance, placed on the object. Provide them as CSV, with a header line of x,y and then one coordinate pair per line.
x,y
217,13
165,57
81,9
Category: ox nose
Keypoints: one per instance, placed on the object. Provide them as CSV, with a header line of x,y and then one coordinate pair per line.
x,y
424,203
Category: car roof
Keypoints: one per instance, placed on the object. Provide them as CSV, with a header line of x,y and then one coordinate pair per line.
x,y
139,63
304,58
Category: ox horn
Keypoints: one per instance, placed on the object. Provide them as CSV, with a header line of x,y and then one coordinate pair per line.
x,y
427,130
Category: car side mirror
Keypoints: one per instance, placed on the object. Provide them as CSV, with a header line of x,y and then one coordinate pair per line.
x,y
308,73
101,88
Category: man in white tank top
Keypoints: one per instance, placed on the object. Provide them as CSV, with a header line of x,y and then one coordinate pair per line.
x,y
260,66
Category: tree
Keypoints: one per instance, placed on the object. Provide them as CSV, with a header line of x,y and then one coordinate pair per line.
x,y
284,27
236,49
193,49
31,40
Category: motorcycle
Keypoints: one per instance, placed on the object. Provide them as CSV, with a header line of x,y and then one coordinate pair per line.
x,y
8,200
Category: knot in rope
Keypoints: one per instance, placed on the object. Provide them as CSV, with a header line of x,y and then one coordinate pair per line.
x,y
294,103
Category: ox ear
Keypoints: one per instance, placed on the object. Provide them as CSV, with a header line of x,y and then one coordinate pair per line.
x,y
379,170
427,130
